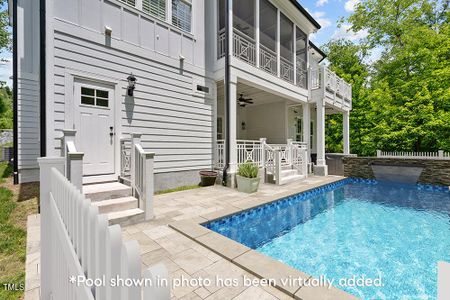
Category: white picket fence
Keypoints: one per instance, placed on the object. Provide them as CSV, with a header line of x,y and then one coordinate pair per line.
x,y
414,155
78,245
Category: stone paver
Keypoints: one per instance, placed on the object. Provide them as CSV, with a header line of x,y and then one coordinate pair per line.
x,y
180,245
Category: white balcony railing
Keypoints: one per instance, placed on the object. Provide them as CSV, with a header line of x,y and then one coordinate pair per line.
x,y
286,70
323,78
244,47
267,60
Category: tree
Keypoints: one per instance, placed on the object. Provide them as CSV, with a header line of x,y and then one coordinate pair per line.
x,y
403,103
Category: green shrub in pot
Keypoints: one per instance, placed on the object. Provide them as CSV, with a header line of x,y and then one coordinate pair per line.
x,y
247,178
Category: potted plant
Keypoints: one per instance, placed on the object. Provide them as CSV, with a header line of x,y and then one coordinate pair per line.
x,y
247,178
208,178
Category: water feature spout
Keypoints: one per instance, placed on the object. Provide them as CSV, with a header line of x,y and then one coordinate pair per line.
x,y
402,173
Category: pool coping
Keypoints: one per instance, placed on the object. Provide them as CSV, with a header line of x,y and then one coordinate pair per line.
x,y
260,265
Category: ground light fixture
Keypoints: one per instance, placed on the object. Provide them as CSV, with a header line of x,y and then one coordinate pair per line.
x,y
131,84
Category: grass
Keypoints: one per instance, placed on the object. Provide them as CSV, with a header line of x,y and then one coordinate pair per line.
x,y
16,203
178,189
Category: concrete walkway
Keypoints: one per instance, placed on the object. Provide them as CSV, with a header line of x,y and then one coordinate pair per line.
x,y
186,259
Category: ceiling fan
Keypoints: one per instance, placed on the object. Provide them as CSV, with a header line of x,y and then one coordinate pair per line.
x,y
244,101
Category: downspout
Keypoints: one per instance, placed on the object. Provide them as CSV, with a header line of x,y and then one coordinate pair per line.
x,y
227,94
15,93
42,77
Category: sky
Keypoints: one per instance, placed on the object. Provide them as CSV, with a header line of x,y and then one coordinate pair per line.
x,y
326,12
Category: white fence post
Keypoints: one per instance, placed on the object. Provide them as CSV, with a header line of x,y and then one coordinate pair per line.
x,y
378,153
263,152
76,169
160,288
46,164
147,202
130,269
441,153
113,265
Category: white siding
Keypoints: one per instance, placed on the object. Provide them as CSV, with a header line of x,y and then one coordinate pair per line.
x,y
28,123
175,122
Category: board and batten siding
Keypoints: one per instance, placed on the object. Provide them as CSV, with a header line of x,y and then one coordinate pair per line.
x,y
175,120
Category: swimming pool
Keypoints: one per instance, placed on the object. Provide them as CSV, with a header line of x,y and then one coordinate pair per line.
x,y
355,229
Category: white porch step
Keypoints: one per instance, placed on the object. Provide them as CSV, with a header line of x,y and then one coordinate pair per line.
x,y
292,178
288,173
106,191
116,204
126,217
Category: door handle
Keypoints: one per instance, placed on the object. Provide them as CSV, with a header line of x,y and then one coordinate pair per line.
x,y
111,131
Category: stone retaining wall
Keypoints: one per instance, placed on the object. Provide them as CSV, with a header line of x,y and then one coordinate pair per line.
x,y
435,171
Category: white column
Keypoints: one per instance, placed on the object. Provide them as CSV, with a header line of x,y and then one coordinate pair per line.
x,y
278,43
232,110
320,168
294,40
346,133
306,119
230,28
257,31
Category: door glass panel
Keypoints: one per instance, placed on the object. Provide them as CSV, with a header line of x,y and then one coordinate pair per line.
x,y
87,100
87,91
102,94
102,102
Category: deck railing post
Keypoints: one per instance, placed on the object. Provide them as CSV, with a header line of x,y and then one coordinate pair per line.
x,y
135,140
45,166
378,153
147,202
75,160
263,152
277,155
441,153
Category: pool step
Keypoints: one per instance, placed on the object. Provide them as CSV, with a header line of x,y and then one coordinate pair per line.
x,y
287,176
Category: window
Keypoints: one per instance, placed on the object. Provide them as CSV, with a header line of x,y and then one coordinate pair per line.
x,y
129,2
94,97
156,8
182,14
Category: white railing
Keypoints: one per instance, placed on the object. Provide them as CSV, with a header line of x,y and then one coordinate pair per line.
x,y
250,150
414,155
219,154
299,156
268,60
73,158
301,73
142,180
77,244
125,158
315,76
221,44
244,47
286,70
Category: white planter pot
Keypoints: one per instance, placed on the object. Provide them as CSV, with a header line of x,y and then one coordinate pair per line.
x,y
247,185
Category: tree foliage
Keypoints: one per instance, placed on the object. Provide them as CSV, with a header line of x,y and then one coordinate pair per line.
x,y
401,102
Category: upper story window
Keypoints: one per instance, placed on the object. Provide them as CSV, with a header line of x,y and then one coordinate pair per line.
x,y
156,8
182,14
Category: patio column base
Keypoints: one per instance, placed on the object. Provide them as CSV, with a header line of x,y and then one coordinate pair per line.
x,y
321,170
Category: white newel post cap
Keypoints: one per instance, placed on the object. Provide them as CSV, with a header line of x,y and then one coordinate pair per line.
x,y
69,132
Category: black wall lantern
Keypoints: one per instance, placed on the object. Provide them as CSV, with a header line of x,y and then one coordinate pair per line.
x,y
131,84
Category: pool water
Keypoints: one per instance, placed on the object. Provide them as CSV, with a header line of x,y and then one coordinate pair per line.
x,y
355,229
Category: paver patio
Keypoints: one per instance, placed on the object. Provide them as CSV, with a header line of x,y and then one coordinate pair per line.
x,y
185,258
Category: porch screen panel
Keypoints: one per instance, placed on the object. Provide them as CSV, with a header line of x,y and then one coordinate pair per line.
x,y
268,36
244,17
301,52
286,38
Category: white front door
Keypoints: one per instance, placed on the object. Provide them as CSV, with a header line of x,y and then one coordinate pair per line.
x,y
94,123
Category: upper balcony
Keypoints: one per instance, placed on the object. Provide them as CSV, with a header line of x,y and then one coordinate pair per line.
x,y
335,91
267,39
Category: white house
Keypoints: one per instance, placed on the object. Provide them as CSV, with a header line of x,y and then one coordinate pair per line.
x,y
73,58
